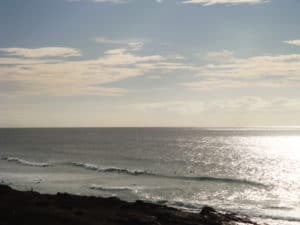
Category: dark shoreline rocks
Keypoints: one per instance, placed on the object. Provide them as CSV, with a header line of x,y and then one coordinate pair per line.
x,y
32,208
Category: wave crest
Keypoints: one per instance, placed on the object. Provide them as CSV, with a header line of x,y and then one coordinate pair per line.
x,y
135,172
121,170
87,166
25,162
93,167
222,180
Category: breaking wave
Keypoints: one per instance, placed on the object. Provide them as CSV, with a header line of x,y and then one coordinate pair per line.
x,y
25,162
93,167
133,172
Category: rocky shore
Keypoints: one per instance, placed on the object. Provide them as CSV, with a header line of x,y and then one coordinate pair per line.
x,y
32,208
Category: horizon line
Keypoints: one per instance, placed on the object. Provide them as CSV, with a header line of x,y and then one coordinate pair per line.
x,y
195,127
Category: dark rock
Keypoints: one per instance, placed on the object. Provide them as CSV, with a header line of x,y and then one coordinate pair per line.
x,y
206,210
22,208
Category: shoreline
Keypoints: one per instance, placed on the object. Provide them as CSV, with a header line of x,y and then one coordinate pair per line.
x,y
29,207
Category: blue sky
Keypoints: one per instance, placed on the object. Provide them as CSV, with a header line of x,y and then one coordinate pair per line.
x,y
149,63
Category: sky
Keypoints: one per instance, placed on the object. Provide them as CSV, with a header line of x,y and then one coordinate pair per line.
x,y
132,63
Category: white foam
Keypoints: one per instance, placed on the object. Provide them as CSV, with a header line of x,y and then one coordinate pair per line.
x,y
88,166
94,167
25,162
111,188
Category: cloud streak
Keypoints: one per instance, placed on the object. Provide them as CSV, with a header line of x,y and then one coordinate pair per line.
x,y
41,52
35,74
102,1
293,42
224,55
227,105
202,2
133,45
49,71
277,71
226,2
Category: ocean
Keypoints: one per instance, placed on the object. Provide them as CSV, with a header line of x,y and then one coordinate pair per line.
x,y
253,171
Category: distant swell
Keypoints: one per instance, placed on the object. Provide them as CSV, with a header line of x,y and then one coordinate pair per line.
x,y
25,162
93,167
115,189
274,217
222,180
282,218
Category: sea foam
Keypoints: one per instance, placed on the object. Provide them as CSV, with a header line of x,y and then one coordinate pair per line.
x,y
110,188
25,162
94,167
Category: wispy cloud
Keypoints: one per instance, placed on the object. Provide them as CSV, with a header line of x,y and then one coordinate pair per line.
x,y
36,75
47,70
224,55
248,104
224,105
111,1
132,44
41,52
293,42
257,66
260,71
104,40
178,107
230,2
102,1
203,2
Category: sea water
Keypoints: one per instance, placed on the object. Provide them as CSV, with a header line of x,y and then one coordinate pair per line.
x,y
253,171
